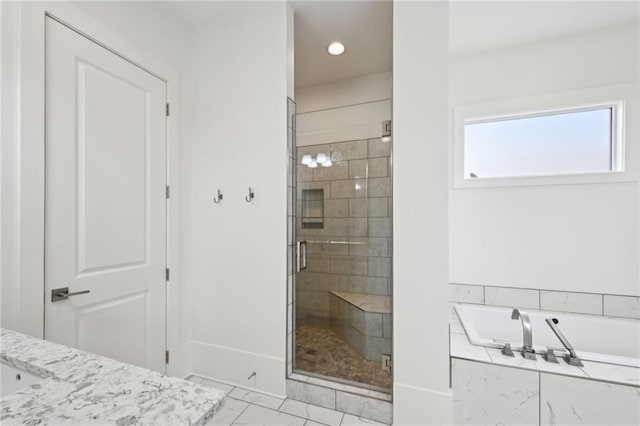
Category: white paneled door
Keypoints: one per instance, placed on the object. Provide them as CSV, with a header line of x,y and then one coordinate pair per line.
x,y
105,230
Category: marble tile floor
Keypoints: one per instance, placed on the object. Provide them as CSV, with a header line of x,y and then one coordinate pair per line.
x,y
319,350
244,407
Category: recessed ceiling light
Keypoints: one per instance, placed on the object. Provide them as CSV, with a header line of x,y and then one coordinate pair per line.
x,y
336,48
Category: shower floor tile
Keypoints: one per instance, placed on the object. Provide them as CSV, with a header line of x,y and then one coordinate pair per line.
x,y
319,350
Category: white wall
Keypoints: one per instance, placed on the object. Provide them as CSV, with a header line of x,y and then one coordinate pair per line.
x,y
420,321
561,237
351,91
344,110
9,49
234,253
146,26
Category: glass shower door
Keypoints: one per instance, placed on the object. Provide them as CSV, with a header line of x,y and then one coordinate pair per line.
x,y
343,255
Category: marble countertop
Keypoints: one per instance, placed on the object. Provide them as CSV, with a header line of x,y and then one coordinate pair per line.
x,y
461,347
80,388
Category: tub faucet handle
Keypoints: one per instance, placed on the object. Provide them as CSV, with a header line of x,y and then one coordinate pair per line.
x,y
550,355
506,349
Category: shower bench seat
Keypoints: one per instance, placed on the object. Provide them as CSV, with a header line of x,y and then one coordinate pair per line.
x,y
363,321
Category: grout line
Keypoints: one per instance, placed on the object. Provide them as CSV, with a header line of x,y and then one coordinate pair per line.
x,y
489,355
307,419
539,300
539,398
241,412
313,405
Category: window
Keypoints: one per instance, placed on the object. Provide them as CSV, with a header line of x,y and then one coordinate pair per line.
x,y
569,141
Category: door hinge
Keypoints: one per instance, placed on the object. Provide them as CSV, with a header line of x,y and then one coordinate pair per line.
x,y
166,357
168,192
167,109
386,362
386,128
167,274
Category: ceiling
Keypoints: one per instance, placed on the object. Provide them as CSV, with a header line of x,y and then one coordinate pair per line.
x,y
483,25
364,27
194,14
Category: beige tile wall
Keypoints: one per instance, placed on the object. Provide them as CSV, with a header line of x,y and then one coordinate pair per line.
x,y
357,208
368,333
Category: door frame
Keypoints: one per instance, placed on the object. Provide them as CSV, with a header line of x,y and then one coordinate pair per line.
x,y
28,290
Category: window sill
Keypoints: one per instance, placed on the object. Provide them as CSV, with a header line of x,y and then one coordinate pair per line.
x,y
542,180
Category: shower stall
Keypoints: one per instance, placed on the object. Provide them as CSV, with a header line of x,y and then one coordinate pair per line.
x,y
340,256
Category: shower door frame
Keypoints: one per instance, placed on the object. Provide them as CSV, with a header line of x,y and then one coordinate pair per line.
x,y
336,383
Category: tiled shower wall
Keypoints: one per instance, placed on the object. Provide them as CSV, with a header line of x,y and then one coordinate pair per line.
x,y
352,252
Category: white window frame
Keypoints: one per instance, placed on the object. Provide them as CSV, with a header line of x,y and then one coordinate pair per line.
x,y
614,97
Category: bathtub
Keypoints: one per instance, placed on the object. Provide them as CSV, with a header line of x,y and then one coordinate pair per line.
x,y
595,338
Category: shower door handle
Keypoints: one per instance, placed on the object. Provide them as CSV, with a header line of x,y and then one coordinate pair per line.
x,y
301,256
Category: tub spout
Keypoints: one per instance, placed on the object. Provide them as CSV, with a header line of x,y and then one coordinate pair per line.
x,y
527,333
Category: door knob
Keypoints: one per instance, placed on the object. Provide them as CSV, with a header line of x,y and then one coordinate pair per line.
x,y
62,293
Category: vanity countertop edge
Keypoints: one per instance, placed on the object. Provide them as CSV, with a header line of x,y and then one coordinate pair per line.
x,y
80,387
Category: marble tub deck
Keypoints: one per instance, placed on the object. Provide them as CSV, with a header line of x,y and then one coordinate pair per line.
x,y
80,388
462,348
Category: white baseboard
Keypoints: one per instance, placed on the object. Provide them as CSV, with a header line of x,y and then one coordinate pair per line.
x,y
419,406
234,367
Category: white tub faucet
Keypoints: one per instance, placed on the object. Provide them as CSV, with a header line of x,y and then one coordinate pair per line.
x,y
527,333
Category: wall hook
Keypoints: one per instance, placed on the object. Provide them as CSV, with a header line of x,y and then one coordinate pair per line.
x,y
217,200
251,196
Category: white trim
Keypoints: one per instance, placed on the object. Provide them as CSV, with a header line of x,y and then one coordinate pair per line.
x,y
417,405
235,366
616,97
32,173
188,376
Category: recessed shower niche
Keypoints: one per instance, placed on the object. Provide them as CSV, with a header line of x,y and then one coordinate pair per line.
x,y
312,208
